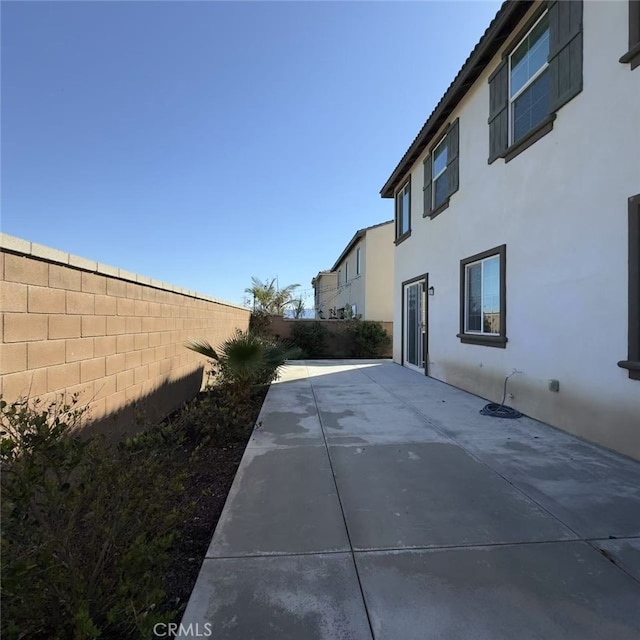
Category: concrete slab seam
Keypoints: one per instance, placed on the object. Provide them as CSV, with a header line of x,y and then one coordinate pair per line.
x,y
479,460
605,554
591,543
344,517
285,554
455,547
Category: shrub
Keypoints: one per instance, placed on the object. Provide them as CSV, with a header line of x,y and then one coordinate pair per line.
x,y
310,337
217,416
246,359
241,365
86,528
260,324
368,338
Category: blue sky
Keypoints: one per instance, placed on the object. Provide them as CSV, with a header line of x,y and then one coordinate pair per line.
x,y
202,143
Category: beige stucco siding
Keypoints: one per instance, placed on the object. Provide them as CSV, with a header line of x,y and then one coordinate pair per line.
x,y
325,289
351,289
371,290
379,273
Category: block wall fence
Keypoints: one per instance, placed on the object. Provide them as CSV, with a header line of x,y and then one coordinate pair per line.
x,y
71,325
337,342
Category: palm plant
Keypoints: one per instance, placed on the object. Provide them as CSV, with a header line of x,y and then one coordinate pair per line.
x,y
268,298
297,306
245,359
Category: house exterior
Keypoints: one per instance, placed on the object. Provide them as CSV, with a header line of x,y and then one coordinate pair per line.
x,y
360,283
325,286
517,221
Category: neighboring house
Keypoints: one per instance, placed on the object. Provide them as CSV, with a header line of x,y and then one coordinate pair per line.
x,y
360,283
518,221
324,292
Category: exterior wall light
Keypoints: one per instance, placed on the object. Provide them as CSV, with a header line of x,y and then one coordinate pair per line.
x,y
431,291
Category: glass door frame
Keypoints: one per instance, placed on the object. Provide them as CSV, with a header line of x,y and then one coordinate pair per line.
x,y
425,351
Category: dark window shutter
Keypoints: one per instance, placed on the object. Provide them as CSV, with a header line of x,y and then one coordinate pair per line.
x,y
427,186
634,24
565,52
499,111
453,143
408,183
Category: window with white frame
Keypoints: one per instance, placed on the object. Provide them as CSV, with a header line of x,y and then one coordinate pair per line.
x,y
482,298
529,80
441,172
358,264
439,176
535,78
403,213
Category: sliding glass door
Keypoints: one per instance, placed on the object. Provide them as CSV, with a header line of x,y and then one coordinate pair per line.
x,y
415,325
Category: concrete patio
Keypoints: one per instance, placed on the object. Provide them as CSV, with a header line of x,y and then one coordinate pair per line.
x,y
373,502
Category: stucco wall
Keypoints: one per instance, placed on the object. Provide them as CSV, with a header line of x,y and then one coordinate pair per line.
x,y
372,289
70,325
326,284
353,290
379,273
561,209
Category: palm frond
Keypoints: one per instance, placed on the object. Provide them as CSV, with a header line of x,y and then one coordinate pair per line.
x,y
267,297
276,355
246,359
203,348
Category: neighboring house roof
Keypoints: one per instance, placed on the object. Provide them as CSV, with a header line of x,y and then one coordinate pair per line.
x,y
360,233
504,22
326,272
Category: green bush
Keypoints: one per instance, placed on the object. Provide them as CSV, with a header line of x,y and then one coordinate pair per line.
x,y
246,360
310,337
368,339
260,324
240,367
86,528
217,416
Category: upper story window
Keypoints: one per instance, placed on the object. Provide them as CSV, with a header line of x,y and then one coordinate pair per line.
x,y
633,54
482,298
346,272
529,80
358,263
538,75
403,211
441,174
440,186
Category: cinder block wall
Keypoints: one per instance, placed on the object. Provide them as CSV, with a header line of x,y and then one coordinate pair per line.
x,y
71,325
